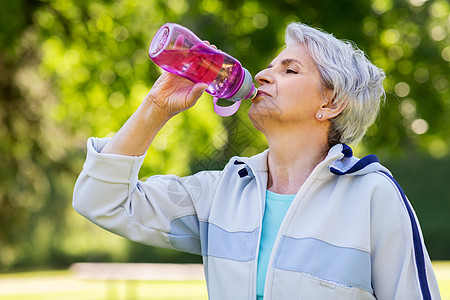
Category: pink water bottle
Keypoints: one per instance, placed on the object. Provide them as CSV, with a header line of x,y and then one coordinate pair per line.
x,y
179,51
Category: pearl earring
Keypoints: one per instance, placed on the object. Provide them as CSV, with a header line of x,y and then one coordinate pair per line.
x,y
319,116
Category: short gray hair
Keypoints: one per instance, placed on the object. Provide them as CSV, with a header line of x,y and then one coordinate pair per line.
x,y
347,71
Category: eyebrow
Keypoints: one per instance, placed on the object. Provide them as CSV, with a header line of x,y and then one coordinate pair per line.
x,y
287,61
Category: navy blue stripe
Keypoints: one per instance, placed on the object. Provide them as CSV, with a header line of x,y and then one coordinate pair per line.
x,y
362,163
347,151
418,249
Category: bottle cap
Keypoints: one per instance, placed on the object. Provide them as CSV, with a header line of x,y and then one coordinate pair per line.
x,y
247,89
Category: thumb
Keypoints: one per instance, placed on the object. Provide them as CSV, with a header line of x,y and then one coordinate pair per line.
x,y
196,92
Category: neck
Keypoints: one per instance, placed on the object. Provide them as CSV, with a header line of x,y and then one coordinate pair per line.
x,y
293,157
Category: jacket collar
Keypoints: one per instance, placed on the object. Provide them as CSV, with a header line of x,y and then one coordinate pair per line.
x,y
340,161
351,165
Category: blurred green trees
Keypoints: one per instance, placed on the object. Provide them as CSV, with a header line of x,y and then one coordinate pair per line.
x,y
73,69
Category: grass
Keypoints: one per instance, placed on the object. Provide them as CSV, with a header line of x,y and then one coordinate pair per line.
x,y
442,271
56,285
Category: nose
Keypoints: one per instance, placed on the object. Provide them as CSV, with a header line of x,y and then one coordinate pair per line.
x,y
263,77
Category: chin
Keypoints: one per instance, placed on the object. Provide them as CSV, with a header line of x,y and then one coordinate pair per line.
x,y
260,117
264,112
254,119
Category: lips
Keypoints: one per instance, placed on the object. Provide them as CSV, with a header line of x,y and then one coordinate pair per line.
x,y
262,93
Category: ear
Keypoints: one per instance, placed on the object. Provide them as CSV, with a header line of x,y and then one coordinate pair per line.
x,y
329,108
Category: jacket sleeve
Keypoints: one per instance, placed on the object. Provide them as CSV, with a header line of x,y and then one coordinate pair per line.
x,y
164,211
401,267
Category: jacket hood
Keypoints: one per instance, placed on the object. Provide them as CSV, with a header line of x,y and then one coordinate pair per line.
x,y
340,161
351,165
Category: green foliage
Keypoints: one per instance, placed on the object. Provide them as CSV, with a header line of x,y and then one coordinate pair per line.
x,y
423,179
72,69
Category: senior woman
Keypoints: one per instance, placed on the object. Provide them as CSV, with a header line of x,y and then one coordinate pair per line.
x,y
305,219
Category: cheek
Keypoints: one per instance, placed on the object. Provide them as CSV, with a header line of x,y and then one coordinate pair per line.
x,y
301,98
297,92
310,89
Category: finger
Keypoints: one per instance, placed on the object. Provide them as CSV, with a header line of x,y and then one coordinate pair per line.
x,y
199,88
163,77
209,44
195,93
179,42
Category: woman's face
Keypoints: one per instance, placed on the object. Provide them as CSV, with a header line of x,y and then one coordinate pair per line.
x,y
289,91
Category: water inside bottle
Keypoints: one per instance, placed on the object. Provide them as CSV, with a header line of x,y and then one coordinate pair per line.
x,y
217,69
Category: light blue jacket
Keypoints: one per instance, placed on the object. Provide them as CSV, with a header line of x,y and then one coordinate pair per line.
x,y
350,232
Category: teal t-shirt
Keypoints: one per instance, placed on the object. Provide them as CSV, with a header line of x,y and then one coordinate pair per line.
x,y
276,207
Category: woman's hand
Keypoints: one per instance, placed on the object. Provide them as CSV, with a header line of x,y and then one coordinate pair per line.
x,y
173,94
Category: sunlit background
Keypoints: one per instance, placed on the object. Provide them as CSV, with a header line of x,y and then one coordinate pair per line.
x,y
73,69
